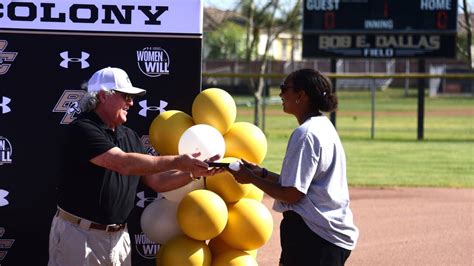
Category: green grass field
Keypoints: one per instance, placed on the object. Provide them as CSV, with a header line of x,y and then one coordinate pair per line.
x,y
394,157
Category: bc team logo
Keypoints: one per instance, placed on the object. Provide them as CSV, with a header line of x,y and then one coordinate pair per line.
x,y
69,105
4,244
153,61
149,148
5,57
6,151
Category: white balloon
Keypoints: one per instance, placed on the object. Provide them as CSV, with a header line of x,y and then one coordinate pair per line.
x,y
159,221
179,193
202,138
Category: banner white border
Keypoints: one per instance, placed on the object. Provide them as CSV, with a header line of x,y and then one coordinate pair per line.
x,y
168,16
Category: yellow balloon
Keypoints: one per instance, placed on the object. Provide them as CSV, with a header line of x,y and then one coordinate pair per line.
x,y
166,130
234,258
159,255
218,246
215,107
252,252
249,226
182,250
255,193
245,140
225,185
202,214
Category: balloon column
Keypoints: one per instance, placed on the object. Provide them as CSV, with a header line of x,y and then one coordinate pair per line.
x,y
216,220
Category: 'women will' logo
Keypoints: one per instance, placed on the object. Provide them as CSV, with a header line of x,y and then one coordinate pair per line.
x,y
6,151
153,61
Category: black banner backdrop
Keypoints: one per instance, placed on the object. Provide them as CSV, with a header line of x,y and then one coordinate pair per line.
x,y
47,51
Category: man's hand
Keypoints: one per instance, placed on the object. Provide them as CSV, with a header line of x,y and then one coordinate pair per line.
x,y
213,158
188,162
208,172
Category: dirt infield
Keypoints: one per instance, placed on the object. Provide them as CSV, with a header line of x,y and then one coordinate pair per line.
x,y
402,226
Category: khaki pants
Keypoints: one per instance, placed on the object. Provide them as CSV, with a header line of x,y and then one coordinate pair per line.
x,y
72,245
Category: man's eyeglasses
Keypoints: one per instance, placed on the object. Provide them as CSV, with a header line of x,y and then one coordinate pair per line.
x,y
127,97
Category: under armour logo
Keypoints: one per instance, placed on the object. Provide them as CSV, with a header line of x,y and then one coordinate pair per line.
x,y
4,105
142,199
3,200
67,60
146,108
5,57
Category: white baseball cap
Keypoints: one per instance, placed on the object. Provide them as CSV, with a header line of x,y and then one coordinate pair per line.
x,y
112,78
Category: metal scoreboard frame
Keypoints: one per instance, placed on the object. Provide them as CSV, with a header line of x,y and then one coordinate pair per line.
x,y
379,28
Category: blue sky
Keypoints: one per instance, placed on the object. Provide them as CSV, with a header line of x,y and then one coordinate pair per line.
x,y
226,4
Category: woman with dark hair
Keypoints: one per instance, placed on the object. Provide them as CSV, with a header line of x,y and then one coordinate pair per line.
x,y
311,191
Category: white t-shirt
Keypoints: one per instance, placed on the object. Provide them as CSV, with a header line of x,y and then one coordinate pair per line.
x,y
315,164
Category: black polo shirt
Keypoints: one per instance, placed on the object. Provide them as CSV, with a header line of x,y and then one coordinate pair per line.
x,y
88,190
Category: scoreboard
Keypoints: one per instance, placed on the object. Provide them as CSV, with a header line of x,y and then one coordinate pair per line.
x,y
379,28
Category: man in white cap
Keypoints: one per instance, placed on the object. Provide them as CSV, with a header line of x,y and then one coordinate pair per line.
x,y
104,163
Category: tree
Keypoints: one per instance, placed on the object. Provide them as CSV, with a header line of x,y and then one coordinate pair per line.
x,y
465,41
268,18
225,42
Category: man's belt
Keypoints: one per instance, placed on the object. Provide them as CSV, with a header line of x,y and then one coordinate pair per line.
x,y
86,224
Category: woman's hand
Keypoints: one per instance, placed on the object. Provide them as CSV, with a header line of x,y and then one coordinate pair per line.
x,y
245,173
257,170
